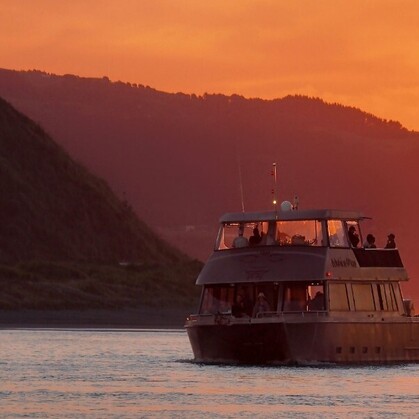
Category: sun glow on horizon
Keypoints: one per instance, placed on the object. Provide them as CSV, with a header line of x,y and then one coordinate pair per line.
x,y
361,54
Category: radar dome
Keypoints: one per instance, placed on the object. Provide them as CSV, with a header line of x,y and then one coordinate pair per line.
x,y
286,206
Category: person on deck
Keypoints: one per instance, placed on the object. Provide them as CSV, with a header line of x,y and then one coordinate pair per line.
x,y
256,238
240,241
317,303
353,236
391,244
261,305
370,242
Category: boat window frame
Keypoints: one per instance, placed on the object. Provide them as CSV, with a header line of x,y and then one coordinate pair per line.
x,y
343,234
398,296
391,298
218,288
356,287
330,299
274,293
302,284
270,230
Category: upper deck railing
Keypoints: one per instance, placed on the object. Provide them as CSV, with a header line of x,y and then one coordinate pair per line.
x,y
379,258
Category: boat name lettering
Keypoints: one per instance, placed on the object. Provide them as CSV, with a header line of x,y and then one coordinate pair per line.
x,y
343,263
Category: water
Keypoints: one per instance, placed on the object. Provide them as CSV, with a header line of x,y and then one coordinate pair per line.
x,y
109,373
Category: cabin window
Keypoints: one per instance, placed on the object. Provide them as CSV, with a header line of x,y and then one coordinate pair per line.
x,y
268,233
223,299
295,298
316,300
363,297
398,297
303,297
300,233
217,300
244,295
338,297
229,232
337,234
391,300
208,301
388,297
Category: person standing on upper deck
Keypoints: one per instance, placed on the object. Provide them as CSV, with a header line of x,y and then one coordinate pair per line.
x,y
353,236
391,244
370,242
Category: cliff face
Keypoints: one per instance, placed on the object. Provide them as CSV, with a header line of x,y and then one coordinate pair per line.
x,y
53,209
176,157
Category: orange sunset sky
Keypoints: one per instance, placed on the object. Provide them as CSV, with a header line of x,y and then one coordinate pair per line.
x,y
362,53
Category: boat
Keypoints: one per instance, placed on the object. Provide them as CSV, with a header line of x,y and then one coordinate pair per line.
x,y
297,287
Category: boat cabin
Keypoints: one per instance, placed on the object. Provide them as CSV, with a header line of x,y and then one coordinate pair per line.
x,y
299,262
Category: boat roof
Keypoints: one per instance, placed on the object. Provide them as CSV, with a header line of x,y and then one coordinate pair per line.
x,y
291,215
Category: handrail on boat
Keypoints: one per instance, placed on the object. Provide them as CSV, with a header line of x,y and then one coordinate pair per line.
x,y
310,313
227,317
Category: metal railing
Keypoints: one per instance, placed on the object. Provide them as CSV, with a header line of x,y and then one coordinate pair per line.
x,y
226,318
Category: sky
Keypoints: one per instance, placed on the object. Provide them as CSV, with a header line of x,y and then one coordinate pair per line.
x,y
361,53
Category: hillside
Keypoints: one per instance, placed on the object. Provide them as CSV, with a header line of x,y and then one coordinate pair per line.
x,y
64,233
176,157
54,209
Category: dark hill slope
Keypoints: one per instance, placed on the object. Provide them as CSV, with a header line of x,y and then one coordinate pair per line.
x,y
53,209
176,156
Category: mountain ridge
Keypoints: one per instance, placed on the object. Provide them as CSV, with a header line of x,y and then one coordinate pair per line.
x,y
176,157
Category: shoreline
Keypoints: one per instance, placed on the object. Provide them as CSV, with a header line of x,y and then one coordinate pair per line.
x,y
144,318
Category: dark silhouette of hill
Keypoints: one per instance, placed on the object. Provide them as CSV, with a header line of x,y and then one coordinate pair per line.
x,y
62,236
53,209
176,157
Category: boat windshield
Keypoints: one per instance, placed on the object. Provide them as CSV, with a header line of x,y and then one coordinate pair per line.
x,y
269,233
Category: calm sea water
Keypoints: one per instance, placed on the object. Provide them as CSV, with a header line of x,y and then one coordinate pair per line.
x,y
137,373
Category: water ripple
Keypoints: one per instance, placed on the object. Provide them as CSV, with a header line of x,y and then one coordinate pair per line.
x,y
151,374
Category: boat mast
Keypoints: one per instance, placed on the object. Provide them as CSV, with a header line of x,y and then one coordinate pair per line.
x,y
274,196
240,181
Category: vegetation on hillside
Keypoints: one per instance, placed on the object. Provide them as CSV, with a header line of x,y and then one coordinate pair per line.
x,y
66,241
42,285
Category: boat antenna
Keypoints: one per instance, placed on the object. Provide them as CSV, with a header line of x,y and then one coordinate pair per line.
x,y
296,202
240,181
274,179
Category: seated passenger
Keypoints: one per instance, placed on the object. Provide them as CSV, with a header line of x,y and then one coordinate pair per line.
x,y
240,241
261,305
391,244
239,307
298,239
370,242
334,240
317,303
256,238
353,236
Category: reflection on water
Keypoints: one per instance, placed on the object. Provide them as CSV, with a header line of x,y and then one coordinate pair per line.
x,y
125,373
